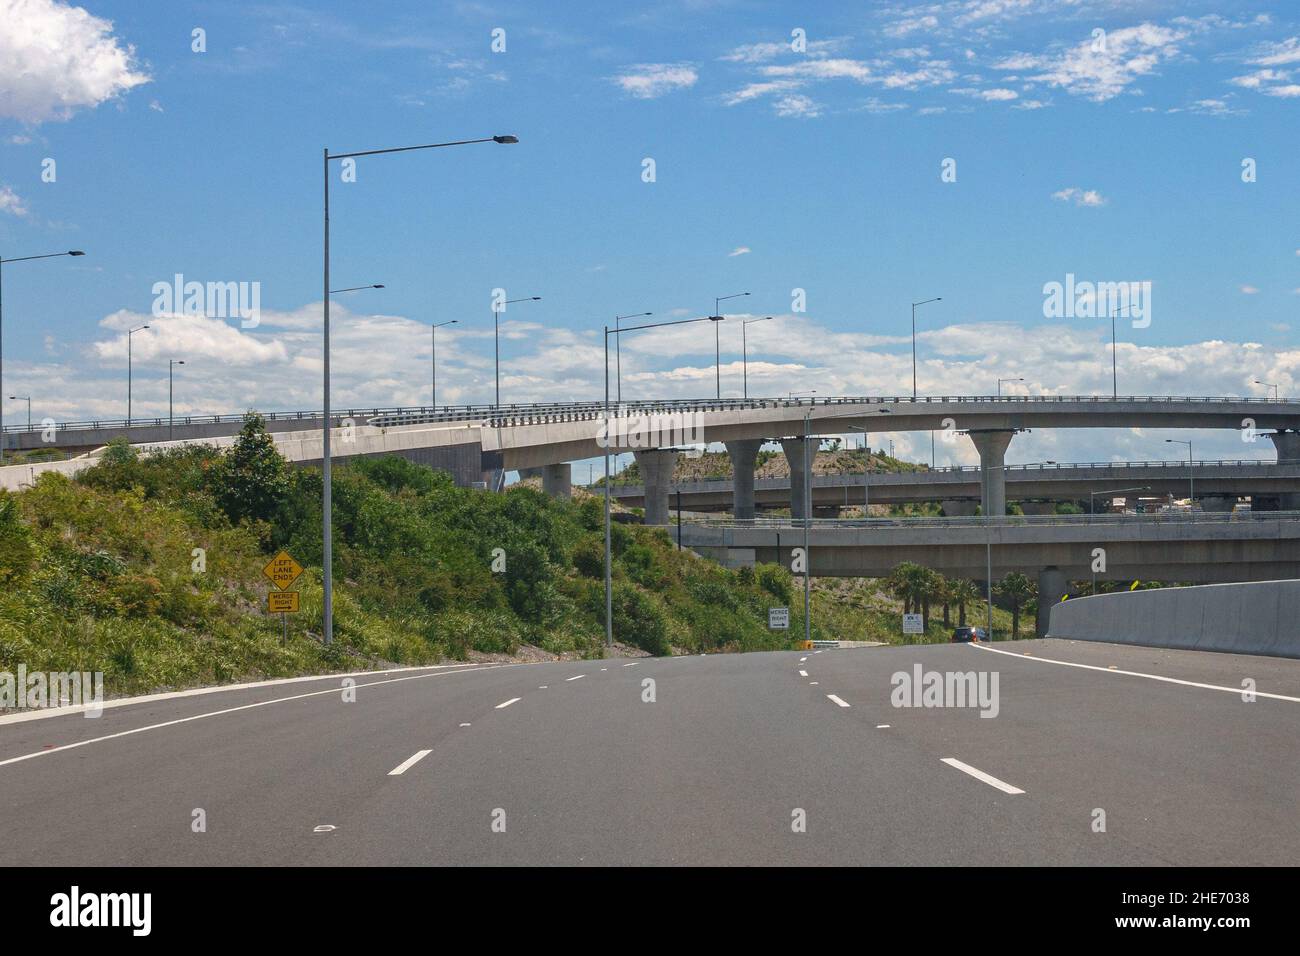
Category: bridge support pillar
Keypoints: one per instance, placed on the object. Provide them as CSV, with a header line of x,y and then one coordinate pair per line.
x,y
557,480
992,447
743,454
526,473
1219,503
1052,586
656,466
796,450
1288,451
958,509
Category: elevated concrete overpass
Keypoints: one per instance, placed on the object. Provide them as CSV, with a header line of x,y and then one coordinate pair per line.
x,y
551,435
1182,548
1218,484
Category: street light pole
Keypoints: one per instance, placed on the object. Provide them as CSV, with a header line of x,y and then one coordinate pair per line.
x,y
496,335
1001,380
606,440
1191,486
130,332
52,255
744,348
618,350
914,305
1269,385
171,366
28,400
717,340
327,555
433,362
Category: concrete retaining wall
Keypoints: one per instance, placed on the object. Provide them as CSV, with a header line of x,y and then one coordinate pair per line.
x,y
1257,618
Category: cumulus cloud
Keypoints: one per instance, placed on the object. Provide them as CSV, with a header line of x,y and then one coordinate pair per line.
x,y
11,202
1080,197
1100,72
56,58
651,80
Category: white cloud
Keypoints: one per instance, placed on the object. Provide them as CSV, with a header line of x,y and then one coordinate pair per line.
x,y
651,80
1290,90
1274,54
1101,74
56,58
1029,105
1249,290
11,202
739,251
763,52
998,94
1080,197
796,105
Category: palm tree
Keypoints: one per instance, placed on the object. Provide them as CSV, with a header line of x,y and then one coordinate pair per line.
x,y
909,582
964,591
1017,589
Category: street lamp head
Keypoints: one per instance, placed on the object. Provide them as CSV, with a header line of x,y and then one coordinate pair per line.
x,y
76,252
505,140
377,286
716,318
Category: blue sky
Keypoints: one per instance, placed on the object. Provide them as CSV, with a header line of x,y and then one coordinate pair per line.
x,y
1114,156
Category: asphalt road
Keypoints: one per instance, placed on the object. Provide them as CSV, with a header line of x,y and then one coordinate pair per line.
x,y
575,767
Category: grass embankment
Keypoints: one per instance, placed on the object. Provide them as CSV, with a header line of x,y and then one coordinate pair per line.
x,y
149,569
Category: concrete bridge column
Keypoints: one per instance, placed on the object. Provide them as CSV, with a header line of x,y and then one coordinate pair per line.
x,y
958,509
743,454
557,480
992,447
1052,586
1288,451
656,466
795,451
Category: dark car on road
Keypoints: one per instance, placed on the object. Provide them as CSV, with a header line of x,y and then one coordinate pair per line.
x,y
964,635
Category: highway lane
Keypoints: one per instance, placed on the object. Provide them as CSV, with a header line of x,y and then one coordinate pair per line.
x,y
588,772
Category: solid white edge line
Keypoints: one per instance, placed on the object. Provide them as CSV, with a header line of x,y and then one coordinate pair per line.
x,y
503,705
981,775
409,762
1168,680
837,700
231,710
201,691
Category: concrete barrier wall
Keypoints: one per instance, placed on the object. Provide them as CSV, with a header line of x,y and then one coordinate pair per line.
x,y
1257,618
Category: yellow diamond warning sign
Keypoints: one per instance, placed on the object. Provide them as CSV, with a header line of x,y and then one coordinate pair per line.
x,y
282,570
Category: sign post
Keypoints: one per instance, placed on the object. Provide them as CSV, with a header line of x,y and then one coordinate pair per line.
x,y
283,570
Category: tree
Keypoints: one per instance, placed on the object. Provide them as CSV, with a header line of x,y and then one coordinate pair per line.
x,y
251,480
964,592
910,582
1016,589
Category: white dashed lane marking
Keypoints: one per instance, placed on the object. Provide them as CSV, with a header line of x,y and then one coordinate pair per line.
x,y
981,775
832,697
506,703
409,762
575,677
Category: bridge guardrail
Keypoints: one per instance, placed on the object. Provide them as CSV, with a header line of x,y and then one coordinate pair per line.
x,y
1005,521
591,409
